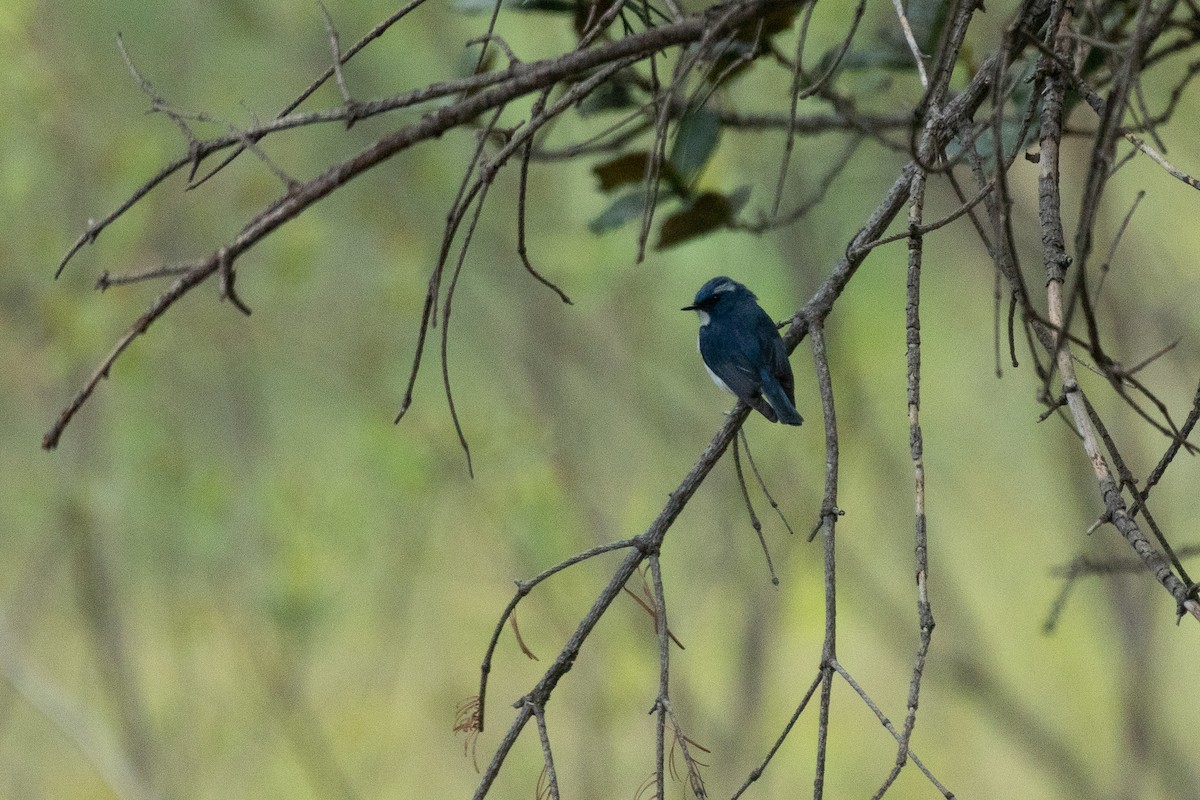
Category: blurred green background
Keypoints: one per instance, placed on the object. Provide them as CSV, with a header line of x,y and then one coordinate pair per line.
x,y
236,578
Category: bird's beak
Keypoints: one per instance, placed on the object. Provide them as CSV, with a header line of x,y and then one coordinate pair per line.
x,y
688,308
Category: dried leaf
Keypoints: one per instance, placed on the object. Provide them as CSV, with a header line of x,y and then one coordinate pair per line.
x,y
620,171
708,212
486,6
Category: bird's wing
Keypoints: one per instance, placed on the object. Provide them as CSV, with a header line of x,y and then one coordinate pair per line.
x,y
781,368
732,354
773,353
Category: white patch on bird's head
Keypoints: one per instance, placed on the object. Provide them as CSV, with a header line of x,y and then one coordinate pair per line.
x,y
724,286
704,317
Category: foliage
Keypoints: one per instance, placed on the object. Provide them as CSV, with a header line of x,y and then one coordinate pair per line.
x,y
310,552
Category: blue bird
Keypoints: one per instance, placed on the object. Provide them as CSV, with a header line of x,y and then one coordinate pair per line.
x,y
742,350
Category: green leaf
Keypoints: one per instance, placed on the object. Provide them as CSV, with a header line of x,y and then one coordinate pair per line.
x,y
891,50
695,140
1010,125
469,63
623,209
985,142
889,55
927,18
610,95
705,214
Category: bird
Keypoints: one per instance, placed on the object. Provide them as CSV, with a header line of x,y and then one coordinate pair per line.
x,y
742,349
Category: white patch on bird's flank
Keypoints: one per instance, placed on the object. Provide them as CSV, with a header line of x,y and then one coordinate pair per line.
x,y
704,320
717,380
727,286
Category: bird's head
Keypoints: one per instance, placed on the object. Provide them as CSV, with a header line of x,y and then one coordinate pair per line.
x,y
717,296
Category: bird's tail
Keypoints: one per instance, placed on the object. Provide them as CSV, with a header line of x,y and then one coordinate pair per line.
x,y
774,394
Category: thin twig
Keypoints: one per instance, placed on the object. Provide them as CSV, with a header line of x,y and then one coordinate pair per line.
x,y
912,43
1055,260
1112,248
336,49
800,92
887,725
664,684
757,772
524,588
829,517
754,520
539,714
762,484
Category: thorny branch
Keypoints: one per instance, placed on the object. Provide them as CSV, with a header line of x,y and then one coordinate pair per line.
x,y
679,62
1056,263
